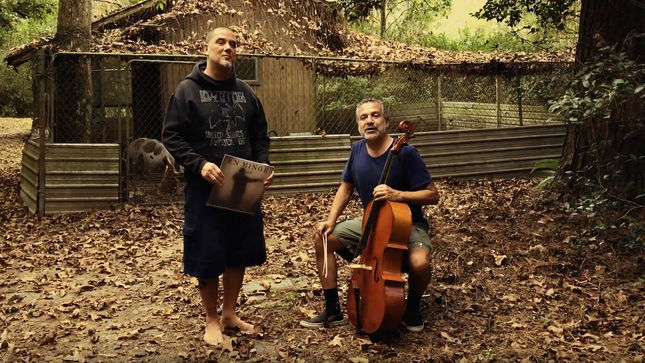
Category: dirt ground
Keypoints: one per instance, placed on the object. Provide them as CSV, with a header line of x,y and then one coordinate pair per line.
x,y
519,274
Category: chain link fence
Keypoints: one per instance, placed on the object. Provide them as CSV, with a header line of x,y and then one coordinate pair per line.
x,y
118,98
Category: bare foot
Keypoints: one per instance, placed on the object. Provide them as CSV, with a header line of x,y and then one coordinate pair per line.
x,y
213,334
235,322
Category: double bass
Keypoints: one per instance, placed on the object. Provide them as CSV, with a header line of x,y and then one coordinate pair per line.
x,y
376,291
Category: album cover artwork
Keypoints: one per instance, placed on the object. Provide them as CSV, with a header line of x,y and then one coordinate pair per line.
x,y
243,185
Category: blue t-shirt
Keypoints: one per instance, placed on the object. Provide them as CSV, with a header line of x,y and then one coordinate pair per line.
x,y
408,173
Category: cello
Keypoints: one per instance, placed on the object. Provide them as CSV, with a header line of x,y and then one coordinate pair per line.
x,y
376,291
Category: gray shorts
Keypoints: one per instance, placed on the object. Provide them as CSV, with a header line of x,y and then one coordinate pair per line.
x,y
349,234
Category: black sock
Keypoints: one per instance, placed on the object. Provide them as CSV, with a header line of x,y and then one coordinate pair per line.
x,y
414,301
332,305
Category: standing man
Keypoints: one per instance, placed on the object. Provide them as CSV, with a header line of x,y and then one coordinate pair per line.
x,y
213,113
409,182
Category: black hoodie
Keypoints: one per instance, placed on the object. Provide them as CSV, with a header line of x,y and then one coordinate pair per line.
x,y
207,119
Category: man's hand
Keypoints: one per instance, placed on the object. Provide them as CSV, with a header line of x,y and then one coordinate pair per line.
x,y
269,180
213,174
325,227
383,192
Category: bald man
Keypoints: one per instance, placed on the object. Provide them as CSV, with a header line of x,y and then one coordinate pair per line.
x,y
213,113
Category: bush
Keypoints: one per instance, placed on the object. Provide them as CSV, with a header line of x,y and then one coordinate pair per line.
x,y
16,98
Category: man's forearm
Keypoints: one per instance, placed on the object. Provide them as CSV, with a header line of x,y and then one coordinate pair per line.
x,y
429,195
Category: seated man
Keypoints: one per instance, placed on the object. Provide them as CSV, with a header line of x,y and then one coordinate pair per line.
x,y
409,182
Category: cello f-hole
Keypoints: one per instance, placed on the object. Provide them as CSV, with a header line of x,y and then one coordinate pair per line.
x,y
376,278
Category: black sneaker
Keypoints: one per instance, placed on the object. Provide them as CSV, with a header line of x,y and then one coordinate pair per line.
x,y
322,321
413,321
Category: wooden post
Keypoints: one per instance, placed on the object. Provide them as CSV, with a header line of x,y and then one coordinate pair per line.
x,y
499,109
41,154
439,103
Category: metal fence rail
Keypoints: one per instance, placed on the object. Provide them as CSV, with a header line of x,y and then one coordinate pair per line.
x,y
117,98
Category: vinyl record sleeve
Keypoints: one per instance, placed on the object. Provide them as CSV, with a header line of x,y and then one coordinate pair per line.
x,y
243,185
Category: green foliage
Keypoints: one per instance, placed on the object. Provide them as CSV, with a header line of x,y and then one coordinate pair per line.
x,y
541,89
636,237
600,211
544,24
16,85
358,9
606,97
475,40
607,79
12,12
490,355
403,18
549,13
393,87
416,24
546,166
15,92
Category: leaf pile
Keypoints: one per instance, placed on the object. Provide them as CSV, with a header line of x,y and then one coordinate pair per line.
x,y
515,277
278,27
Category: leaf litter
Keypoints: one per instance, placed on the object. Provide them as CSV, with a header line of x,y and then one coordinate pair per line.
x,y
107,285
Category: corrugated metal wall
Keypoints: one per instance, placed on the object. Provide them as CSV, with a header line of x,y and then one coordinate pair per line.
x,y
308,163
78,177
488,152
86,176
29,175
315,163
81,176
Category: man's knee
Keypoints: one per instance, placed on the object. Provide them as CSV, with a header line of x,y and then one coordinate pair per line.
x,y
205,283
333,245
318,244
419,259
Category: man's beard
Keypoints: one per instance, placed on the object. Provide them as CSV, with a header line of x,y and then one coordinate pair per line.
x,y
226,64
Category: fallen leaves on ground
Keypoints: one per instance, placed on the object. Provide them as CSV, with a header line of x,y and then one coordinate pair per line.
x,y
107,285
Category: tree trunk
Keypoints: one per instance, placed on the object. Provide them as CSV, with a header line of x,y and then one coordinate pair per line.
x,y
608,22
73,98
74,24
610,151
383,18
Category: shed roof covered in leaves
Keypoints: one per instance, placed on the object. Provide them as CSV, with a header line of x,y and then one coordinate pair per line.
x,y
269,27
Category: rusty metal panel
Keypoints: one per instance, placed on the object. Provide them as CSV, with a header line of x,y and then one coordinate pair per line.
x,y
80,177
29,176
315,163
86,176
490,152
308,163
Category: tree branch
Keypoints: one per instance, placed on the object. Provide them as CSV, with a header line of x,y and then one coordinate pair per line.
x,y
113,2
